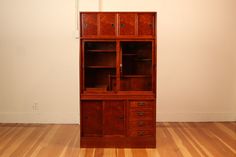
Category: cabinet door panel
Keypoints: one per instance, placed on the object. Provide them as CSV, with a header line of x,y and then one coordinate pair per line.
x,y
107,24
127,23
91,118
89,24
114,118
146,24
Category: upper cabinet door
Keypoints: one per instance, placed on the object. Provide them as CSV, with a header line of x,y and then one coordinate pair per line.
x,y
146,24
89,24
107,24
127,24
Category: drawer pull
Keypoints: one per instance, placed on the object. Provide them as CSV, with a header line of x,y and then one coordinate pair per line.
x,y
141,103
140,123
141,133
140,113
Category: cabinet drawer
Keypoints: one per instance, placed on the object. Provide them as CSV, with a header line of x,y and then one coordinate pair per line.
x,y
141,104
146,114
141,124
139,133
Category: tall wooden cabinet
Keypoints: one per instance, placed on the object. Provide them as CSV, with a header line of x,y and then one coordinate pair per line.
x,y
118,79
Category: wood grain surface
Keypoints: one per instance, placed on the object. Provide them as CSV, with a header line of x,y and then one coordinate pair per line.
x,y
173,140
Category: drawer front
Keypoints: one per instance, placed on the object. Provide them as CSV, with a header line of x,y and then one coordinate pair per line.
x,y
140,133
141,124
141,104
144,114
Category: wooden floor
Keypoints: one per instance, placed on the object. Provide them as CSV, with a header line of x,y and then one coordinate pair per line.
x,y
173,140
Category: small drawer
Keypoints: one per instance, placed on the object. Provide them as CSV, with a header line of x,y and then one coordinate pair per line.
x,y
143,104
141,124
139,133
141,115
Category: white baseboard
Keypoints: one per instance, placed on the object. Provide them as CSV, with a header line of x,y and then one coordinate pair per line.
x,y
73,117
37,117
195,117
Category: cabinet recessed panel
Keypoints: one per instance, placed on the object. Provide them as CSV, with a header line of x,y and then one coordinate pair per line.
x,y
114,118
127,24
107,24
145,24
91,118
89,24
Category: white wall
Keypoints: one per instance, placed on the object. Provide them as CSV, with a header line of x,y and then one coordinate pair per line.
x,y
38,61
39,58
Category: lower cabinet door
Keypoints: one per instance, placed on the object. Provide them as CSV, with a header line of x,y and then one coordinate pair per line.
x,y
114,118
91,118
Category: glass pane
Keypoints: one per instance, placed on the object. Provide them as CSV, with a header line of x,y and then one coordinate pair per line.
x,y
136,71
99,66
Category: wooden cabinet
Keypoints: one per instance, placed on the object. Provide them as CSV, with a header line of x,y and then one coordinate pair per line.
x,y
117,79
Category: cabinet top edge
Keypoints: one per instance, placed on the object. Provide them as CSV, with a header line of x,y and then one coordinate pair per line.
x,y
153,12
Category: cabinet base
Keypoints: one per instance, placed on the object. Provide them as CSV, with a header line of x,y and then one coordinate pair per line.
x,y
117,142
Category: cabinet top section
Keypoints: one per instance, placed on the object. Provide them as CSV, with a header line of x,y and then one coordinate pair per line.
x,y
127,25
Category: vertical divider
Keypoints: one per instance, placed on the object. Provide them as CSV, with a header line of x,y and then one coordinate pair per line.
x,y
103,117
118,62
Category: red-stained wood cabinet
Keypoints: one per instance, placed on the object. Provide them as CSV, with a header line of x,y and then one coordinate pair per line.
x,y
118,79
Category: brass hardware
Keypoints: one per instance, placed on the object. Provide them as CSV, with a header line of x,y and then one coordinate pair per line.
x,y
122,25
141,133
141,103
140,123
140,113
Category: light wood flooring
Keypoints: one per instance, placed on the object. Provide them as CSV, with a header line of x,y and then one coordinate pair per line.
x,y
173,140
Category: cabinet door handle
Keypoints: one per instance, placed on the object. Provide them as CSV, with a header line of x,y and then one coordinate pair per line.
x,y
112,25
85,25
140,113
122,25
141,103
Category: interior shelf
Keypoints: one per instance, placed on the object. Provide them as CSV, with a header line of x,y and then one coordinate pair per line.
x,y
101,51
129,54
101,67
143,60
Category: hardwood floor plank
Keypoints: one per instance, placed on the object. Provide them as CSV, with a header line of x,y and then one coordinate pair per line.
x,y
173,140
